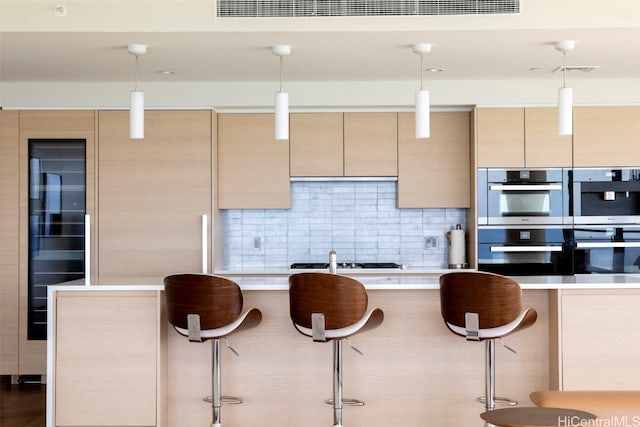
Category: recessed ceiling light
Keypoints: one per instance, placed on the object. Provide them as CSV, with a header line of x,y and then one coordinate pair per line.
x,y
167,72
434,70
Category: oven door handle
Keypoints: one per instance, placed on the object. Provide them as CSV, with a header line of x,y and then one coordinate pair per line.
x,y
526,248
524,187
608,244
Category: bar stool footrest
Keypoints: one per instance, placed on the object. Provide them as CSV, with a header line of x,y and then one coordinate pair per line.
x,y
346,402
224,399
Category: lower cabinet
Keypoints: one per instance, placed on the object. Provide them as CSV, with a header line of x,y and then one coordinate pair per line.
x,y
105,359
597,347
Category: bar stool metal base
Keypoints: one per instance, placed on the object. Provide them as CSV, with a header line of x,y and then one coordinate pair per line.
x,y
499,401
224,399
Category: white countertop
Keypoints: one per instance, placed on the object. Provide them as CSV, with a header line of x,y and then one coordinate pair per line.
x,y
388,280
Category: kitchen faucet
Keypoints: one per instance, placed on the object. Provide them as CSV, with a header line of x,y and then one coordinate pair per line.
x,y
333,262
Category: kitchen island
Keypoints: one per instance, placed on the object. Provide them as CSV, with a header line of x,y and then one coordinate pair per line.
x,y
113,359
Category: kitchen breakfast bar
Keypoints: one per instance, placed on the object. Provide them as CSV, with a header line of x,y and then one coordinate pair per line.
x,y
113,359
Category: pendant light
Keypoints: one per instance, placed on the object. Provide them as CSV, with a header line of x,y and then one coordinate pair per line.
x,y
281,102
422,96
136,98
565,94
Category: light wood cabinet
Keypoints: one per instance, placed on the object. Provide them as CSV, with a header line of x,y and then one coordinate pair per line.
x,y
500,137
9,241
521,137
61,125
544,147
253,168
606,136
370,144
106,358
597,348
153,193
317,147
434,172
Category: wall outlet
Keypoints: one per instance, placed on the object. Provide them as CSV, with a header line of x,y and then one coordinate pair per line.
x,y
257,243
431,242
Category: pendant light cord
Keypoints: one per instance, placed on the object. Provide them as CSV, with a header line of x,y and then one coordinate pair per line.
x,y
421,72
136,74
564,68
280,73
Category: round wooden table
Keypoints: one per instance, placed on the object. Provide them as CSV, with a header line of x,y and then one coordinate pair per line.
x,y
537,417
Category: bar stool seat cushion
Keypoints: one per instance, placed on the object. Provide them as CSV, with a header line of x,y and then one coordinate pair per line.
x,y
369,321
247,320
526,318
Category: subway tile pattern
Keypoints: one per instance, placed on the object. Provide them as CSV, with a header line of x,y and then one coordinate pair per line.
x,y
357,219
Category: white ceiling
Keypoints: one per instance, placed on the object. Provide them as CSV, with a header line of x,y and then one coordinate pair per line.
x,y
88,44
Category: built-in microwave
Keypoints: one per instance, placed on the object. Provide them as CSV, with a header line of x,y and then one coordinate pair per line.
x,y
606,196
523,196
606,249
531,251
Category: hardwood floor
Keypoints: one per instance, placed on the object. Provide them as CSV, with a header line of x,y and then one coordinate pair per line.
x,y
22,405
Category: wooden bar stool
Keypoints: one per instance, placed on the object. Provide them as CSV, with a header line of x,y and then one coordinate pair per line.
x,y
204,307
331,307
484,307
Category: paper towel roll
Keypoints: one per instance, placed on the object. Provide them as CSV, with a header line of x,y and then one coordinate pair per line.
x,y
457,257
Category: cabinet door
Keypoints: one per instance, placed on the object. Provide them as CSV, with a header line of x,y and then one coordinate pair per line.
x,y
153,193
544,147
434,172
371,144
316,144
253,168
52,125
106,352
500,137
9,241
606,136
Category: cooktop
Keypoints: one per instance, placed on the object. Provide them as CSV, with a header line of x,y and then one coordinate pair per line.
x,y
325,265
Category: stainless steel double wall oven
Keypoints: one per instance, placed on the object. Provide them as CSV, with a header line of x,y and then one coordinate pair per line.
x,y
524,221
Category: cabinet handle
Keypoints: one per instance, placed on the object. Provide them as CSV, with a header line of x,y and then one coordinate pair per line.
x,y
526,248
205,246
507,187
608,245
87,250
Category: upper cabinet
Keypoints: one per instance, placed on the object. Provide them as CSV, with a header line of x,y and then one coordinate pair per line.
x,y
521,137
344,144
253,168
153,193
434,172
370,144
317,147
500,137
606,136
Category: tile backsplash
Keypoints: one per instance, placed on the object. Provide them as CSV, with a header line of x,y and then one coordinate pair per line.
x,y
357,219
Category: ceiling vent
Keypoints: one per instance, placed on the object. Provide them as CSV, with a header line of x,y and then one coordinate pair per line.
x,y
330,8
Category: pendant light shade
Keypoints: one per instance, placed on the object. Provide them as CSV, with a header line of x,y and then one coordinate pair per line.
x,y
136,114
423,122
282,115
136,98
281,101
565,111
565,94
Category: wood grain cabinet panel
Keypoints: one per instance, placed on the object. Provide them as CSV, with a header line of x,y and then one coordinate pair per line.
x,y
371,144
606,136
434,172
544,147
9,241
253,168
106,355
153,193
316,144
500,137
